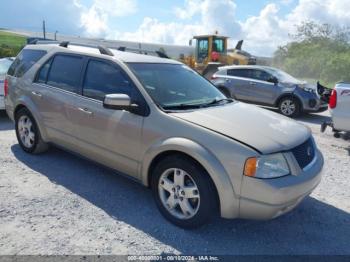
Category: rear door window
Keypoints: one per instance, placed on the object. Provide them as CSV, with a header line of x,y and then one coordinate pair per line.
x,y
260,75
24,61
102,78
245,73
65,72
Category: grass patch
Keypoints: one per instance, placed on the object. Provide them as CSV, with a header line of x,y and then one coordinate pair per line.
x,y
11,44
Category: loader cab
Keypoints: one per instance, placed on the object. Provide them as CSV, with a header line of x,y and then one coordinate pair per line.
x,y
209,48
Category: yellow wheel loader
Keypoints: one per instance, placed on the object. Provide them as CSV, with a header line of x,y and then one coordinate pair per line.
x,y
211,52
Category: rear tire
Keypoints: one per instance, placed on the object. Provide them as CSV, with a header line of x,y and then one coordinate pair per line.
x,y
28,134
189,204
290,107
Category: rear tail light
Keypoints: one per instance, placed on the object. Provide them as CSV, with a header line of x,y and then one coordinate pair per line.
x,y
333,99
6,87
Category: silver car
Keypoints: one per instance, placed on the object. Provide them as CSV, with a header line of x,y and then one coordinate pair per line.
x,y
269,86
164,125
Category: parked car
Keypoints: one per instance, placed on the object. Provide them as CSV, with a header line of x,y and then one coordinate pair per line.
x,y
339,105
5,63
269,86
161,123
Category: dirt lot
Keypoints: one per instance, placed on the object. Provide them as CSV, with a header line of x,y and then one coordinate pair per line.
x,y
57,203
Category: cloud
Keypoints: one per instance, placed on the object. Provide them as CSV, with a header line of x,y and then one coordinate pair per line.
x,y
325,11
180,32
95,19
263,33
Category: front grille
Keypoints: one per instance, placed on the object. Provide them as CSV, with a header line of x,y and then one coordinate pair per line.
x,y
304,153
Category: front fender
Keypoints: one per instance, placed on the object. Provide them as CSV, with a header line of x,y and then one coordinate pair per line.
x,y
229,202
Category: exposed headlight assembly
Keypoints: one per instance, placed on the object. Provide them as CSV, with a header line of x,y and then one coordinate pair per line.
x,y
267,166
308,89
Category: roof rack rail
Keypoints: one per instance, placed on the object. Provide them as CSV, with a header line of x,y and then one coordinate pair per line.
x,y
64,44
143,51
162,55
104,50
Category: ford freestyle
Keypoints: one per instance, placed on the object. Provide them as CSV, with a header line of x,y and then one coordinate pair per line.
x,y
161,123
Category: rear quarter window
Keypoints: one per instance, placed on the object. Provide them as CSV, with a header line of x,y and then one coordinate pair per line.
x,y
24,61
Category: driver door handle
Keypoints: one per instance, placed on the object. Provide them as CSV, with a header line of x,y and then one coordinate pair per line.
x,y
252,83
38,94
85,111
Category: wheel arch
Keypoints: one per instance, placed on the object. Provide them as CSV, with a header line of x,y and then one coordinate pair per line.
x,y
224,189
279,99
24,103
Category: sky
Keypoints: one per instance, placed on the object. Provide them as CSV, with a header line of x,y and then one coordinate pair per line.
x,y
263,24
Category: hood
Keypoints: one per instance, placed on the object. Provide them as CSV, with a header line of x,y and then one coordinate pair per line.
x,y
261,129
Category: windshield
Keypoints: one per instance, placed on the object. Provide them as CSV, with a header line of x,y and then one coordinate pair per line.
x,y
172,85
283,76
4,65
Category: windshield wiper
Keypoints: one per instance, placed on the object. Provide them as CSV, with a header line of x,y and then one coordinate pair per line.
x,y
182,106
195,106
219,101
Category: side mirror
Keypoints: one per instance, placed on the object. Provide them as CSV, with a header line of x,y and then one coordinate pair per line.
x,y
273,80
118,102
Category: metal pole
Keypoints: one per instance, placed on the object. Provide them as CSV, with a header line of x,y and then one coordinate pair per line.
x,y
44,29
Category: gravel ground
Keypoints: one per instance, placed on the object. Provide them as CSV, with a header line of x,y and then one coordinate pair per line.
x,y
57,203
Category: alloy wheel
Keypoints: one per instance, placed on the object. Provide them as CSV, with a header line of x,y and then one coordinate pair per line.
x,y
179,193
26,132
288,107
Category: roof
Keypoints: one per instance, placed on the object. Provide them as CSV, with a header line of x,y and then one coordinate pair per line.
x,y
245,67
207,36
126,57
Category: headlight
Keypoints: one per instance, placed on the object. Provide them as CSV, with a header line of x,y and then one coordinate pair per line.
x,y
267,166
308,89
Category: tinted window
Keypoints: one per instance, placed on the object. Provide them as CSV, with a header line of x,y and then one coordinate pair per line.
x,y
42,76
102,78
65,72
260,75
24,61
240,73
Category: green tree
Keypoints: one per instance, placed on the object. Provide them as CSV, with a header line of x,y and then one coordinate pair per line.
x,y
317,51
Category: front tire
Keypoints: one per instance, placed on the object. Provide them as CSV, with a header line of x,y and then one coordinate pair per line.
x,y
290,107
28,134
183,192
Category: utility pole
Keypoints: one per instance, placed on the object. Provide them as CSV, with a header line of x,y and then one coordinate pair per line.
x,y
44,29
56,34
